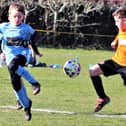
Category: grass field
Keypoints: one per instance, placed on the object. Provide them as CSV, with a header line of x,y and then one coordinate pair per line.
x,y
62,93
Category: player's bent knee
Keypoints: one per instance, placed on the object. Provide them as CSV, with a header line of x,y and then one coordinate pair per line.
x,y
95,70
91,72
12,67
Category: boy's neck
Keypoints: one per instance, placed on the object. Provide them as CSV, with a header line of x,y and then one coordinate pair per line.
x,y
15,25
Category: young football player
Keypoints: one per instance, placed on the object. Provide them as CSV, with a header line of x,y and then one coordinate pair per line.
x,y
17,36
115,65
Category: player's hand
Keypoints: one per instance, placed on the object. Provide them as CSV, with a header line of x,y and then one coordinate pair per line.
x,y
114,45
2,57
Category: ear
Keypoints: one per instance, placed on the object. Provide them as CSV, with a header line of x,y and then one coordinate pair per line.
x,y
8,17
124,20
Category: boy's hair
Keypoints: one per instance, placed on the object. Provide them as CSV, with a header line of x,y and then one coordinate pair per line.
x,y
120,12
16,6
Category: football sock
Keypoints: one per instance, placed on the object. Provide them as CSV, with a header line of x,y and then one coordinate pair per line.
x,y
97,82
21,95
25,74
124,80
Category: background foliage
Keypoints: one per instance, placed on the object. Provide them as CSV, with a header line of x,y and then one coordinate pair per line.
x,y
80,23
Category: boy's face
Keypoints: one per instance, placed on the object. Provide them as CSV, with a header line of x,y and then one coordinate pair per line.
x,y
16,17
120,23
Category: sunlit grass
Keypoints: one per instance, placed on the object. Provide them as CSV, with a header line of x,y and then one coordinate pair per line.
x,y
62,93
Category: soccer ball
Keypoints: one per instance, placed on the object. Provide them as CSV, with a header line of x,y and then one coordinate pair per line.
x,y
72,68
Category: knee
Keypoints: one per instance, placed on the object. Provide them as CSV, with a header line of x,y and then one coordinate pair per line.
x,y
17,87
95,70
16,82
12,67
91,72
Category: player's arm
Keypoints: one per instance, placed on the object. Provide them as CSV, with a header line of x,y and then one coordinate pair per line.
x,y
0,47
1,37
114,43
34,47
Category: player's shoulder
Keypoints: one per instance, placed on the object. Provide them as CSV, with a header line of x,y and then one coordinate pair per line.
x,y
26,25
4,24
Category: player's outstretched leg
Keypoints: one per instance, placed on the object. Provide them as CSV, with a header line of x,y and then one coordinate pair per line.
x,y
25,74
27,110
18,105
25,102
36,88
101,102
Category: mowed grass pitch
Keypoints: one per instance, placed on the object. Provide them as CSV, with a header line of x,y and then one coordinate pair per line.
x,y
62,93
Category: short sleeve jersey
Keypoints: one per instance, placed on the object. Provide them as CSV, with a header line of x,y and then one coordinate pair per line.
x,y
120,54
23,31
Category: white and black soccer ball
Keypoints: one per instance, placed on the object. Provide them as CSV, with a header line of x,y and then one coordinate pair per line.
x,y
72,67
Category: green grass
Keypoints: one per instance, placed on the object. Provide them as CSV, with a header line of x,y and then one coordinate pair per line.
x,y
65,94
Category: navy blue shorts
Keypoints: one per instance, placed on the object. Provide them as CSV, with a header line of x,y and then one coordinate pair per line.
x,y
109,67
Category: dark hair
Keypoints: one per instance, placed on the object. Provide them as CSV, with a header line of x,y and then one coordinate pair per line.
x,y
16,6
120,12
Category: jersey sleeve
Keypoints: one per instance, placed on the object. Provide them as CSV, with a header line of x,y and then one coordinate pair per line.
x,y
116,40
30,30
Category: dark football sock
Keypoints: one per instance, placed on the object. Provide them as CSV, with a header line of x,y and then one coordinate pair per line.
x,y
97,82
